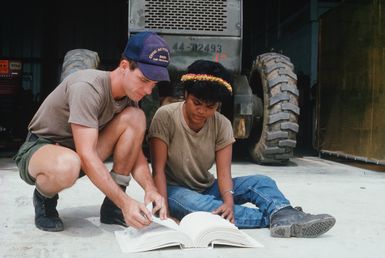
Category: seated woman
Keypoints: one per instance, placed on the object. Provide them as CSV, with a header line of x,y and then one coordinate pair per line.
x,y
186,138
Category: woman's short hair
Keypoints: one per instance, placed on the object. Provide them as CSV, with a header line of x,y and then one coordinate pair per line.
x,y
208,81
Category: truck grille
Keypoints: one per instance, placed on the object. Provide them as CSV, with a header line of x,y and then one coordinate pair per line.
x,y
186,15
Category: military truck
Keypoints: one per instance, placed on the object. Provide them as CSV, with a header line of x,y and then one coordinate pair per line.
x,y
264,107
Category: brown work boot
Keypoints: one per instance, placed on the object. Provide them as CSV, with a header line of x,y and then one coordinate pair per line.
x,y
290,222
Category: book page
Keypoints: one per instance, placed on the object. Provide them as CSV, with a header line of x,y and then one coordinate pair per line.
x,y
168,223
196,223
155,236
206,228
240,239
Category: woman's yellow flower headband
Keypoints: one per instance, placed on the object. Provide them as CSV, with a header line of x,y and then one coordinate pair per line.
x,y
206,77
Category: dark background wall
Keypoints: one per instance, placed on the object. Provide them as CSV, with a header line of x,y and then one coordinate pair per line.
x,y
39,34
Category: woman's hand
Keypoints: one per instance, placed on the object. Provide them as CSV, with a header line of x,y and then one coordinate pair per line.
x,y
226,212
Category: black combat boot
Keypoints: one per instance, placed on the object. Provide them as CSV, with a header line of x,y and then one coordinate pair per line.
x,y
46,215
110,213
290,222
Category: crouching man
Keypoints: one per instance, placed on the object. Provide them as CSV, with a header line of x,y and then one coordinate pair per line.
x,y
90,116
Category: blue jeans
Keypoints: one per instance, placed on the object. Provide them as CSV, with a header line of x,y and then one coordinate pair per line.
x,y
259,190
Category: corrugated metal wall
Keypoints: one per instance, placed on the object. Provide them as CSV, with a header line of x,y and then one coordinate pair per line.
x,y
279,25
21,34
40,35
351,92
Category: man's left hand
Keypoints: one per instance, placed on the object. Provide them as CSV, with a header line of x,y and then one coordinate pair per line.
x,y
158,202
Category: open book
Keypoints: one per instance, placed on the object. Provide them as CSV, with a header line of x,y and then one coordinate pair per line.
x,y
197,229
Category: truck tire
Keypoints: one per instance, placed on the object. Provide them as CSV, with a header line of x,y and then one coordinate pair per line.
x,y
273,137
79,59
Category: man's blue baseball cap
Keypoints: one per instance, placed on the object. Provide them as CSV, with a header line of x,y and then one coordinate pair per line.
x,y
151,53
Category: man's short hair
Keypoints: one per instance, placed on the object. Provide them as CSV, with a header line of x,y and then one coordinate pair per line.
x,y
131,63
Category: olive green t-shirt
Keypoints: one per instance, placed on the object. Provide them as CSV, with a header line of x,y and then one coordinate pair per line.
x,y
83,98
190,154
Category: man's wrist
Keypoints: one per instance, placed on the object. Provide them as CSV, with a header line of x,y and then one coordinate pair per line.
x,y
150,189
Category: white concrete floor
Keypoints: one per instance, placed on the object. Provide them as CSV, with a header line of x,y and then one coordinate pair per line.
x,y
354,196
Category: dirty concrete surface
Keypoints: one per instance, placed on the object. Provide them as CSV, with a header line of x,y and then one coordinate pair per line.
x,y
355,196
